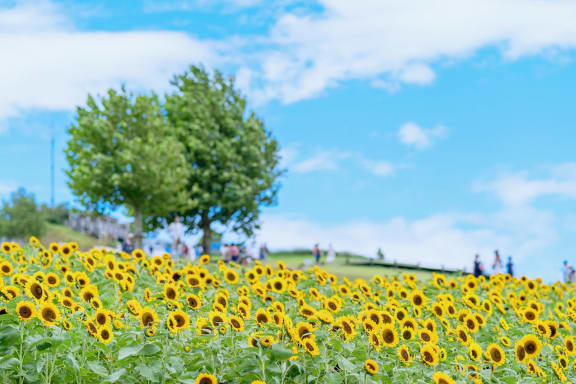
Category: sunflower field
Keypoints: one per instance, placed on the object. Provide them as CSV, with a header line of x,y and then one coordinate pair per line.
x,y
101,316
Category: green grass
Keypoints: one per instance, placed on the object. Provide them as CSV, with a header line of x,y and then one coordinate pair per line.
x,y
341,269
60,233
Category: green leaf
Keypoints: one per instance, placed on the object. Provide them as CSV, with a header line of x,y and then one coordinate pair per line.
x,y
279,352
9,336
44,345
129,351
8,362
97,368
114,377
150,349
147,372
346,364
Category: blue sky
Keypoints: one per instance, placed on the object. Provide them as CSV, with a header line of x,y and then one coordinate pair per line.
x,y
433,132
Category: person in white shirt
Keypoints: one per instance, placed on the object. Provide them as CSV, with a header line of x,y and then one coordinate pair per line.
x,y
176,231
497,265
331,256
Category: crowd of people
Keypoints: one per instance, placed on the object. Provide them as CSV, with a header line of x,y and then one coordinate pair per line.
x,y
496,267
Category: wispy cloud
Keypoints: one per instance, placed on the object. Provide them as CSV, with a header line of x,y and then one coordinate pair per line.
x,y
391,43
335,160
413,135
49,64
522,188
323,160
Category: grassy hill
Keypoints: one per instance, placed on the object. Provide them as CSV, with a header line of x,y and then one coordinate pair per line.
x,y
61,233
340,268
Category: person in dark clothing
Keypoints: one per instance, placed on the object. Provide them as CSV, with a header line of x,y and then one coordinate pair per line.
x,y
128,245
478,268
510,266
316,253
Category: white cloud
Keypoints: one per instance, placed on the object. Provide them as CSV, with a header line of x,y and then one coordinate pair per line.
x,y
521,188
450,240
413,135
332,160
48,64
321,161
397,41
379,168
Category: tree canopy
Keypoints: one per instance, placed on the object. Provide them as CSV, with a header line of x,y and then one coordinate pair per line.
x,y
121,153
21,217
232,158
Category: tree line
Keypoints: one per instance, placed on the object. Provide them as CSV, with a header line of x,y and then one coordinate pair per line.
x,y
197,152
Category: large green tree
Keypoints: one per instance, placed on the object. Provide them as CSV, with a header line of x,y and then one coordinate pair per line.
x,y
121,153
232,158
21,217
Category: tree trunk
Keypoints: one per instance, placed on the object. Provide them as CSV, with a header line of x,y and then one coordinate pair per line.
x,y
206,233
137,228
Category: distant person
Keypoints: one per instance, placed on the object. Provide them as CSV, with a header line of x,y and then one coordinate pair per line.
x,y
478,268
128,244
331,256
567,272
234,253
316,253
497,265
510,266
176,231
263,252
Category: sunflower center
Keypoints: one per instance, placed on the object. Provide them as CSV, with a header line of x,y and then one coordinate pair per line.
x,y
495,355
530,347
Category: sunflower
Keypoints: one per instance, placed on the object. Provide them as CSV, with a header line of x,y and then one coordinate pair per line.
x,y
442,378
105,335
532,346
35,290
48,313
278,285
180,320
204,259
262,317
495,354
134,307
389,336
475,351
463,336
25,310
307,311
407,333
231,276
429,354
417,298
371,367
205,378
148,317
427,336
375,340
171,292
102,318
66,324
236,322
471,324
89,292
404,354
311,347
216,318
569,346
304,330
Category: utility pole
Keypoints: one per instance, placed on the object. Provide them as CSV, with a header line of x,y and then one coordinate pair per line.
x,y
52,167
